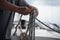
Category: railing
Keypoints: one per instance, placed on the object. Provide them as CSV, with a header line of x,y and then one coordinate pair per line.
x,y
48,26
32,26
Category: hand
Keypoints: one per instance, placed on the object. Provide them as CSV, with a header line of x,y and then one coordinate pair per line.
x,y
25,10
36,10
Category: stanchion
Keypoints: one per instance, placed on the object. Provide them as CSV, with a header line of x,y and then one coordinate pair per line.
x,y
32,26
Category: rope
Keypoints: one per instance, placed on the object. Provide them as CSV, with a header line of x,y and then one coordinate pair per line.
x,y
19,24
47,26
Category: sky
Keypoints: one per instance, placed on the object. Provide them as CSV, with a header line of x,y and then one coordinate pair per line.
x,y
49,10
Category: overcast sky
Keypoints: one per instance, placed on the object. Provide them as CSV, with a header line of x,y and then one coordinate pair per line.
x,y
49,10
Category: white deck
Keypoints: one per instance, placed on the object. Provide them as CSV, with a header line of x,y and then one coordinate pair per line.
x,y
42,33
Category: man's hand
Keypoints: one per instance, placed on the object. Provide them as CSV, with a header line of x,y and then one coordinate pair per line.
x,y
36,10
27,10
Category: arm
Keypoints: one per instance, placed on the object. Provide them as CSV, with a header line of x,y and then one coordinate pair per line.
x,y
12,7
8,6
